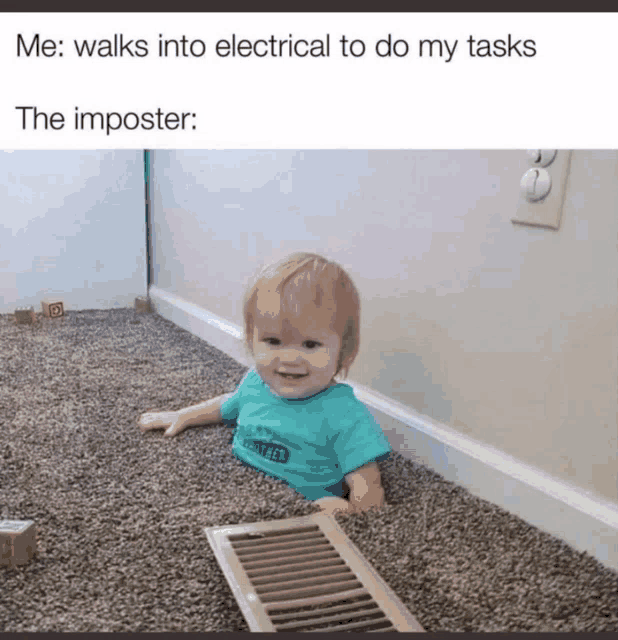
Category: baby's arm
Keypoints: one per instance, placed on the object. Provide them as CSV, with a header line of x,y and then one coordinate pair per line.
x,y
365,487
174,422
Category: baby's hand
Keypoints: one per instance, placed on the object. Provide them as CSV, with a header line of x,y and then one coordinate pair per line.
x,y
168,420
330,505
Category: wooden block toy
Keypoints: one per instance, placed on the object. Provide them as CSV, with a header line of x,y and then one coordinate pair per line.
x,y
53,308
17,541
25,315
142,304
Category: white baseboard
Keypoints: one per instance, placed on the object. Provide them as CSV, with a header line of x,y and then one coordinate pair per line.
x,y
586,521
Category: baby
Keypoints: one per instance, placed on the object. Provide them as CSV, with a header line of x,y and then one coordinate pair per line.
x,y
294,420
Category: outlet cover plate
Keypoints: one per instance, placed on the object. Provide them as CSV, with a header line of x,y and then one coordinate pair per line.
x,y
547,212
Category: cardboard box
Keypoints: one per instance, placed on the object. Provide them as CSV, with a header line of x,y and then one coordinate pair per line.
x,y
17,541
25,315
53,308
142,304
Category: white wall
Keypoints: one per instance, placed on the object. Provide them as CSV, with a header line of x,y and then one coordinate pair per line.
x,y
505,334
72,226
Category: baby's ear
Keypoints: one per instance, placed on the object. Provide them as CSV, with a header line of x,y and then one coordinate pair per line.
x,y
249,348
344,365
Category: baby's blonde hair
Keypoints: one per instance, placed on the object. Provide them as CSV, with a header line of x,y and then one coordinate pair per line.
x,y
302,278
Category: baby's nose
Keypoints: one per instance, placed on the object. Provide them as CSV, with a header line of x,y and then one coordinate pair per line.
x,y
290,356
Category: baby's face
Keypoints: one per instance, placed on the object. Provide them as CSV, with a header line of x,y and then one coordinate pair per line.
x,y
298,359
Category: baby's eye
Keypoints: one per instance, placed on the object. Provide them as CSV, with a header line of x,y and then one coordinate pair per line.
x,y
312,344
273,341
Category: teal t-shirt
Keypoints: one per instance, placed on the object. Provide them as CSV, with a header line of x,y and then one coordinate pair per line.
x,y
311,443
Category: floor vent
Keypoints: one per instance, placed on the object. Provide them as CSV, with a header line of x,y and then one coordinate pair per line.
x,y
305,574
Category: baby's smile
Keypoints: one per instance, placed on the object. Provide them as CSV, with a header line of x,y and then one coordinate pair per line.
x,y
292,376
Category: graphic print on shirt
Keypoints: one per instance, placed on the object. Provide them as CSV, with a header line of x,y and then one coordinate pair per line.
x,y
261,440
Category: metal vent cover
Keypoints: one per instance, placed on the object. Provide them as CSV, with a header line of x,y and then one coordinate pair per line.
x,y
305,574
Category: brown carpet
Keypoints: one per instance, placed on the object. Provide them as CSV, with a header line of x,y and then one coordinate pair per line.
x,y
120,514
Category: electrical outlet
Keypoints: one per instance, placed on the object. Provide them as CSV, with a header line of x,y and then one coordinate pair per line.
x,y
548,211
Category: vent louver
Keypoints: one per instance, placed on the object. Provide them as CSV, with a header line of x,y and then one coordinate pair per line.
x,y
305,574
